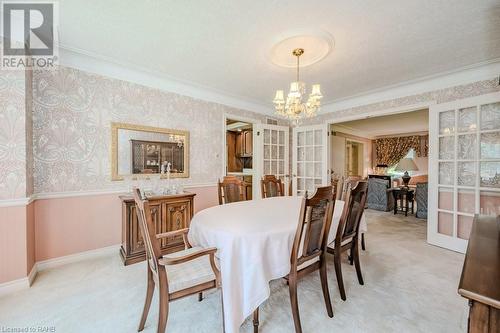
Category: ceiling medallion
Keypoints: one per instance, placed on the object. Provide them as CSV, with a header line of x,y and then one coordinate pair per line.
x,y
295,107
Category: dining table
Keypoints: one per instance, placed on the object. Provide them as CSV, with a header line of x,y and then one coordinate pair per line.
x,y
254,243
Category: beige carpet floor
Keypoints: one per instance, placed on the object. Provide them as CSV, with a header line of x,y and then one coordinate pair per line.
x,y
410,286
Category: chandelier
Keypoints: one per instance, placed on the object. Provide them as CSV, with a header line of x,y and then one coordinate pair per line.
x,y
295,108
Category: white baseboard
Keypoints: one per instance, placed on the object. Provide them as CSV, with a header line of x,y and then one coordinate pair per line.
x,y
26,282
72,258
14,285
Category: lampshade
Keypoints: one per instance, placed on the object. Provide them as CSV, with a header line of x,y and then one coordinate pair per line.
x,y
316,91
406,164
279,97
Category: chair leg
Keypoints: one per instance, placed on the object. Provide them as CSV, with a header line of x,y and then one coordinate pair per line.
x,y
292,286
363,247
200,297
324,287
149,297
163,313
338,272
357,264
256,321
350,257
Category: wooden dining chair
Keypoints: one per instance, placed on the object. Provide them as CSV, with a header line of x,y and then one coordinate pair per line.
x,y
179,274
232,189
271,187
349,183
347,236
309,249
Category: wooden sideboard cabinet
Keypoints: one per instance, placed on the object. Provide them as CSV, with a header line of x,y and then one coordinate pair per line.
x,y
169,213
480,280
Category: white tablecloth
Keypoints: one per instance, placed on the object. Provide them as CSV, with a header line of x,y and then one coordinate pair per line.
x,y
255,240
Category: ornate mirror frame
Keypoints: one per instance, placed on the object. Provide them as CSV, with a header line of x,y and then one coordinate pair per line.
x,y
114,149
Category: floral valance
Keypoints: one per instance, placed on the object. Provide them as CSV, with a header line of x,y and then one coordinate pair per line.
x,y
390,151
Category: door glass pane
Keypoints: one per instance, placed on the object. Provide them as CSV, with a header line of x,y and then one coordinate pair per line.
x,y
466,201
445,223
490,145
490,116
317,170
281,168
274,137
301,138
467,119
310,169
318,137
267,136
466,147
301,169
309,138
281,137
274,152
274,167
301,154
466,174
446,173
309,153
464,225
445,198
490,203
267,167
446,147
281,152
447,122
490,174
267,152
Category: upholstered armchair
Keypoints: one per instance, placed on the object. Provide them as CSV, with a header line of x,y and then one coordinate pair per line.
x,y
421,198
379,196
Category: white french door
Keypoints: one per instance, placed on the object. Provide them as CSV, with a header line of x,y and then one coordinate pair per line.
x,y
272,155
464,164
310,158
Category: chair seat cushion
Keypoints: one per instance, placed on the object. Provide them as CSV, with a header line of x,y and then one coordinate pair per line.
x,y
190,273
344,242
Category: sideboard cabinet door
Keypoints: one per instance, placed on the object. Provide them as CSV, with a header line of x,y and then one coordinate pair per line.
x,y
169,213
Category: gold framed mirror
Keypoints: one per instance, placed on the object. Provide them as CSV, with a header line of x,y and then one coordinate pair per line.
x,y
143,151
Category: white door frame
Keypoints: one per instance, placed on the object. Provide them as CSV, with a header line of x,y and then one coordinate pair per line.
x,y
252,121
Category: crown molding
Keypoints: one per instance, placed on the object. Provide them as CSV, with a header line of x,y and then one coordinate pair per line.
x,y
468,74
109,67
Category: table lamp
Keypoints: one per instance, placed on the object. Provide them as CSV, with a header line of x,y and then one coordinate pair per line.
x,y
406,164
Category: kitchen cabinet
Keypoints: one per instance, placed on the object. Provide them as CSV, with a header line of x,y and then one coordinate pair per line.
x,y
244,143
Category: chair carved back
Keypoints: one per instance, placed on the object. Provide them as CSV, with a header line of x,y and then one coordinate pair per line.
x,y
152,245
351,215
271,187
311,237
232,189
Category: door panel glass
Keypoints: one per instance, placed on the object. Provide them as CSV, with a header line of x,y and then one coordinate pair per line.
x,y
466,174
467,119
490,203
490,174
490,145
467,147
446,173
464,226
445,198
447,147
490,116
445,224
447,122
309,159
466,201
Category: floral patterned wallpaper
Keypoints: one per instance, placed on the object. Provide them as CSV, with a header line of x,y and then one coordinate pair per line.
x,y
73,111
12,135
70,127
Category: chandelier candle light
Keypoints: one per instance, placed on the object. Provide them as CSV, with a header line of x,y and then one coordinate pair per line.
x,y
294,108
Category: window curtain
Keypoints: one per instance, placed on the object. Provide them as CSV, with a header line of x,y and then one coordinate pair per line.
x,y
390,151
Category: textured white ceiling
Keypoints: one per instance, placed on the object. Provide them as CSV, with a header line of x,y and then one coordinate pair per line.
x,y
225,45
408,122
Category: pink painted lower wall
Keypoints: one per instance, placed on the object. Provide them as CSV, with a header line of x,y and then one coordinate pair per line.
x,y
13,247
67,226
